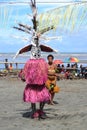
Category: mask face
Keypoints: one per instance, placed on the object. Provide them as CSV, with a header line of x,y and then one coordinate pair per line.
x,y
35,52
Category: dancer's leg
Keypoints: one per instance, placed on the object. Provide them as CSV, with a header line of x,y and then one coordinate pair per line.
x,y
33,106
41,113
42,105
52,97
51,100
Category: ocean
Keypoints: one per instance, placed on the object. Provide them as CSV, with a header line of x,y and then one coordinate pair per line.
x,y
21,59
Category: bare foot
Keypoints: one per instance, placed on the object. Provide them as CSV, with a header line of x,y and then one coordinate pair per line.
x,y
51,103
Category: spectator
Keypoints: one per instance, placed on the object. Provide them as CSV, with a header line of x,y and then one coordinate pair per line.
x,y
6,64
68,65
10,67
67,74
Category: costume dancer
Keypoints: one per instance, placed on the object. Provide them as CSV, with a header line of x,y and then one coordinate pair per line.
x,y
35,74
35,70
51,82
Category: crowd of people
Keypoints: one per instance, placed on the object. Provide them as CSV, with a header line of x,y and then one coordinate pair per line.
x,y
65,72
71,71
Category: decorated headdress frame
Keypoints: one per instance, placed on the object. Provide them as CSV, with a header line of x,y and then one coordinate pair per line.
x,y
35,47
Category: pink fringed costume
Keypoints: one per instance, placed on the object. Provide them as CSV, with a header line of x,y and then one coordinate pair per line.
x,y
35,72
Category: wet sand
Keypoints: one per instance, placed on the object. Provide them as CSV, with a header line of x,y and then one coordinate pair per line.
x,y
69,114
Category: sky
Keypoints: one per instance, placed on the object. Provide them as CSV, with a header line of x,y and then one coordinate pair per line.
x,y
12,40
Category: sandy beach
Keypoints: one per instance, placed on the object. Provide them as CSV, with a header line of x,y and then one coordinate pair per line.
x,y
69,114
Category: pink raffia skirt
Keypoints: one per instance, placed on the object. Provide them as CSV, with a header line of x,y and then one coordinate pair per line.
x,y
35,71
36,93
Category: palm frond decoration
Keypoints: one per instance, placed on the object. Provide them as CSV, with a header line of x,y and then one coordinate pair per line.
x,y
69,17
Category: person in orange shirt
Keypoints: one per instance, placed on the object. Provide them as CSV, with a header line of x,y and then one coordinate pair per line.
x,y
10,67
52,77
